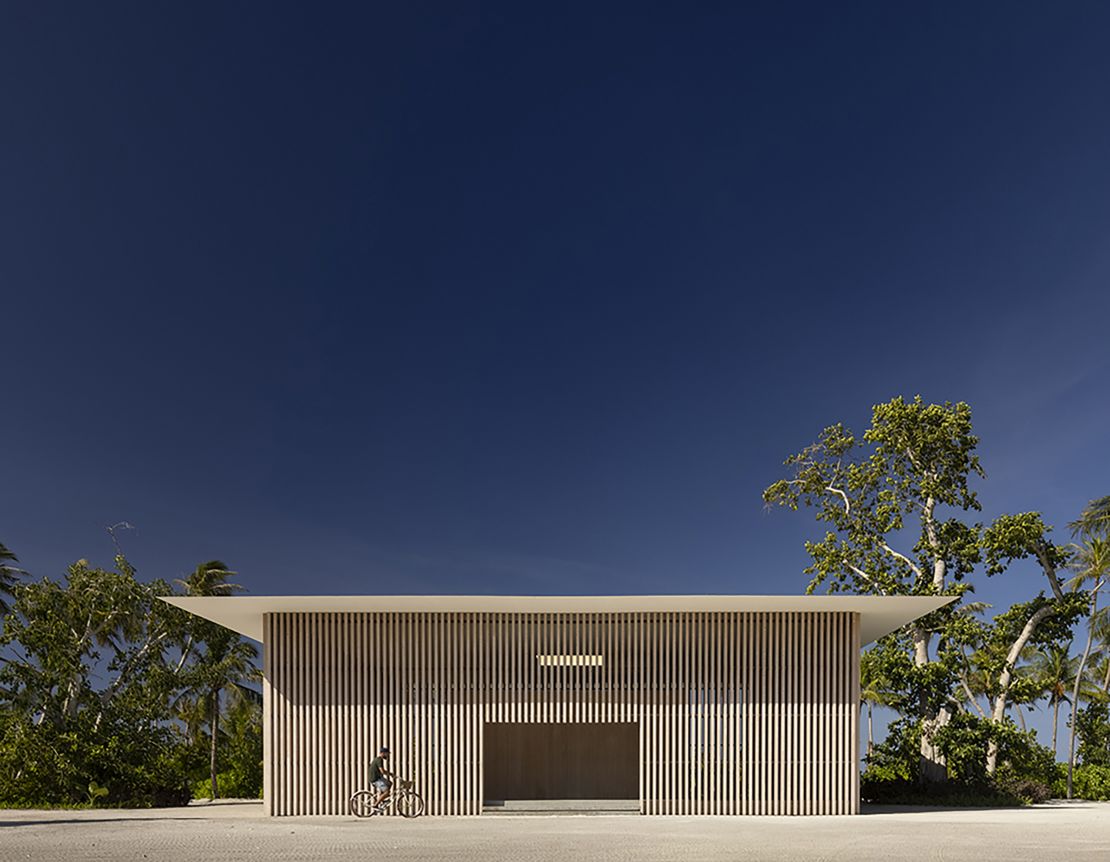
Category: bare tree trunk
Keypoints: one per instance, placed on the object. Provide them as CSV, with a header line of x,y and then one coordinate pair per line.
x,y
1079,683
870,735
940,565
214,726
1055,721
931,765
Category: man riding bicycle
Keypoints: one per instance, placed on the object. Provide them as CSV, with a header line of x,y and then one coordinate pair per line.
x,y
379,776
386,791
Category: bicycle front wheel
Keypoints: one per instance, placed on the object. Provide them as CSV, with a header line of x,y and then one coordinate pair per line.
x,y
361,803
410,805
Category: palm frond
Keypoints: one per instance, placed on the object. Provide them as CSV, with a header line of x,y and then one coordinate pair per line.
x,y
9,576
210,579
1094,520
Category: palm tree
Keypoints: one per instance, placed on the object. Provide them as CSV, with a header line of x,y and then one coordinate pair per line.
x,y
212,578
1054,668
874,690
9,577
1091,563
1101,668
226,665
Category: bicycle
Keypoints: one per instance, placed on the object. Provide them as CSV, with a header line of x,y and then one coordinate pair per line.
x,y
401,796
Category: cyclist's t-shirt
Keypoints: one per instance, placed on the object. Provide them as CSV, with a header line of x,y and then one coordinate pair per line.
x,y
375,769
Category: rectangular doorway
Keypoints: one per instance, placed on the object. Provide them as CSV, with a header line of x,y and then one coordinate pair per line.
x,y
576,760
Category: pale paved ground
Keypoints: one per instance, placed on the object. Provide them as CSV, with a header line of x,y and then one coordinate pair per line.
x,y
237,831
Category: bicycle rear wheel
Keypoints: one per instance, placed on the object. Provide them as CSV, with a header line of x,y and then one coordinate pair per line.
x,y
361,803
410,805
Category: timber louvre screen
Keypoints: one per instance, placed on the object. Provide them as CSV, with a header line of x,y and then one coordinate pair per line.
x,y
738,712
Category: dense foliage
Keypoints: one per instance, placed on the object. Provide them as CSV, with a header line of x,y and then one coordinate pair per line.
x,y
1092,782
1092,726
1027,771
96,677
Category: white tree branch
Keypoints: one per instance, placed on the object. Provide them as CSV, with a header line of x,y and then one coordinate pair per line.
x,y
970,696
843,496
1049,569
903,558
861,573
1012,657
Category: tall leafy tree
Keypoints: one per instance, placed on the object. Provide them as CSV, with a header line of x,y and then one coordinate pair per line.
x,y
894,506
1043,621
84,671
96,620
883,501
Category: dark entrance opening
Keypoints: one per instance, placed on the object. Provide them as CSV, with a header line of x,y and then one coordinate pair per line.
x,y
562,761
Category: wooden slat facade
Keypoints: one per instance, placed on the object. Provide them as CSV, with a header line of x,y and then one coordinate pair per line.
x,y
738,713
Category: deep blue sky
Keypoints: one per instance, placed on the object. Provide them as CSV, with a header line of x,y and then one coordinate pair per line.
x,y
486,299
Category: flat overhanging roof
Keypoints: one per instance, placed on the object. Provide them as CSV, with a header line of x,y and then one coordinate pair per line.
x,y
879,615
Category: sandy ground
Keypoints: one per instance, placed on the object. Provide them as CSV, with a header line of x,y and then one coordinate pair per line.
x,y
238,831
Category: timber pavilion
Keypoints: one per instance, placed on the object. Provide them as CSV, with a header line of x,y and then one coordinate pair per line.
x,y
654,704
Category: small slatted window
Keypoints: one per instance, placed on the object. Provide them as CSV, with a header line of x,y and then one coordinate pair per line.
x,y
569,660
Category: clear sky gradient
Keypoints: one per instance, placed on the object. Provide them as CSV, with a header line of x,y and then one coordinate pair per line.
x,y
484,298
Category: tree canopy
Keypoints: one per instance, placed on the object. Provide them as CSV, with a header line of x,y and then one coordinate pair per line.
x,y
94,668
897,506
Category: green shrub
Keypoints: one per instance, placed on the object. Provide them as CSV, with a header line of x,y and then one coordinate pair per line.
x,y
1090,781
232,785
135,765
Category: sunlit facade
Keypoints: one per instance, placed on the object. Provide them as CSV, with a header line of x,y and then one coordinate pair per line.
x,y
666,704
